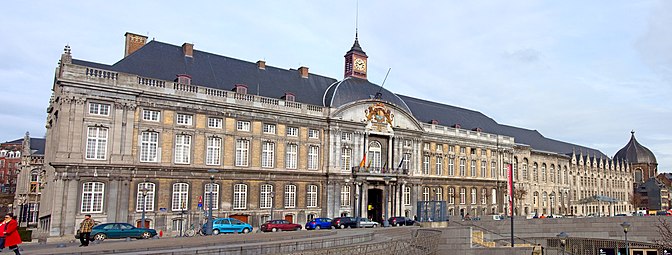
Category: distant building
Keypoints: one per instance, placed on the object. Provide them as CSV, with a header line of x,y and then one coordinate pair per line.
x,y
641,160
21,163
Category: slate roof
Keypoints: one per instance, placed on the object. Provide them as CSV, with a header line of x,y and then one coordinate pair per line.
x,y
634,152
165,61
36,144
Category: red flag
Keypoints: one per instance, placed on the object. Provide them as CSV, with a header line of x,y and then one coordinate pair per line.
x,y
363,162
509,180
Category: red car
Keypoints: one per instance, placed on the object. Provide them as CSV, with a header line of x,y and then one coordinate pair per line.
x,y
279,225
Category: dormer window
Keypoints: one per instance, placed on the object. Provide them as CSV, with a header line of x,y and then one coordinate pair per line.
x,y
289,97
435,122
477,129
240,89
183,79
457,125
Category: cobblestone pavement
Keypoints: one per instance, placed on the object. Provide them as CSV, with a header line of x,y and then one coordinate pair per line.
x,y
185,245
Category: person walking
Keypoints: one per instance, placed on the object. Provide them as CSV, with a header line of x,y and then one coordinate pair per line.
x,y
85,230
10,232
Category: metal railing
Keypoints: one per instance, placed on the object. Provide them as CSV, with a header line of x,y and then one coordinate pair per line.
x,y
591,246
422,241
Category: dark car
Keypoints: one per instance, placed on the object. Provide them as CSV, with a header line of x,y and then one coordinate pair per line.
x,y
120,230
319,223
400,221
344,222
279,225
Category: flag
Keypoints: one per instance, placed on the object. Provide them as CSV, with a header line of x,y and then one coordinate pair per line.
x,y
363,162
401,162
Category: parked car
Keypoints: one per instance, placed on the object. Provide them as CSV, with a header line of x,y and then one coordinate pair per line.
x,y
120,230
229,225
279,225
400,221
367,223
344,222
319,223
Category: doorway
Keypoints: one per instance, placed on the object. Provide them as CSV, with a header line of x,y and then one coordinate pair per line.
x,y
290,218
375,205
243,218
139,224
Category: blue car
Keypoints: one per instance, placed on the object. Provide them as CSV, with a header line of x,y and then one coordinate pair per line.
x,y
229,225
319,223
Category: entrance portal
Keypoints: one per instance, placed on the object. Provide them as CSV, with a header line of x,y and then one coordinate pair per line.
x,y
375,205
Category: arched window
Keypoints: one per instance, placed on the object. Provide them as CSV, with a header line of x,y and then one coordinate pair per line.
x,y
439,194
311,196
484,196
290,196
463,195
535,172
375,153
239,196
425,194
214,189
180,196
473,195
543,172
407,195
93,194
345,196
535,198
638,175
34,181
265,198
145,196
451,195
525,176
544,197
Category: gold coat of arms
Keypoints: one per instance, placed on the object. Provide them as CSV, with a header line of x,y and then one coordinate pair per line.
x,y
378,113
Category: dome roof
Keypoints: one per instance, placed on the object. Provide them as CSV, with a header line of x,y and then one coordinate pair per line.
x,y
633,152
353,89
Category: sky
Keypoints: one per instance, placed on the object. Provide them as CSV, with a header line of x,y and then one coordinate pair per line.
x,y
584,72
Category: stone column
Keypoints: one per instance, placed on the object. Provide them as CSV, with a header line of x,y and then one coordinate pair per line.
x,y
69,219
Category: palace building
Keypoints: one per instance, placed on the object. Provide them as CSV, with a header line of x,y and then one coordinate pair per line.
x,y
164,128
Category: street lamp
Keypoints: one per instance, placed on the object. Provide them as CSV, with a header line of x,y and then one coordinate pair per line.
x,y
387,194
208,229
626,227
358,203
272,202
563,241
143,191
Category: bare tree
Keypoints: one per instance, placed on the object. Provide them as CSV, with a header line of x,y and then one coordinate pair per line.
x,y
637,200
665,231
519,194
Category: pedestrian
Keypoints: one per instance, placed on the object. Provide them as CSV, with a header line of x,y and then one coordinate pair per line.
x,y
10,233
85,230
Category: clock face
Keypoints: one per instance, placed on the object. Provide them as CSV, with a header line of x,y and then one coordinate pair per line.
x,y
360,65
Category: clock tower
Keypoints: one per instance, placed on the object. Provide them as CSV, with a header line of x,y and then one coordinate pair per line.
x,y
356,61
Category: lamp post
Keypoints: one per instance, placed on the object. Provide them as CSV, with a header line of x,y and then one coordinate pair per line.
x,y
208,229
563,241
387,194
626,227
358,203
143,192
182,208
272,202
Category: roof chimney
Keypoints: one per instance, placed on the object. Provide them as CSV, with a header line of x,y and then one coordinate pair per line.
x,y
188,50
303,71
261,64
133,42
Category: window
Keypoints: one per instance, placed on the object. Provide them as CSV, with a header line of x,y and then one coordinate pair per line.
x,y
472,166
407,195
493,197
493,169
535,198
451,196
552,173
484,196
269,129
292,131
451,165
184,119
99,109
425,165
345,136
425,194
291,159
290,196
463,195
145,196
535,172
182,149
243,126
408,143
149,147
425,146
34,181
213,151
463,169
439,165
96,143
211,188
346,159
214,122
451,148
93,194
483,169
463,150
314,133
525,176
375,155
239,196
313,157
267,154
439,148
439,194
311,198
407,161
151,115
265,198
180,196
543,172
242,149
473,196
345,196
